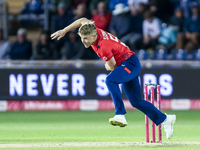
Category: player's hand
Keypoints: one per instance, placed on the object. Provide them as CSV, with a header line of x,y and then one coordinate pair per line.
x,y
107,67
58,34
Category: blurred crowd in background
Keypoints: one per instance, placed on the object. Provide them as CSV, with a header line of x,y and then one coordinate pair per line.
x,y
153,29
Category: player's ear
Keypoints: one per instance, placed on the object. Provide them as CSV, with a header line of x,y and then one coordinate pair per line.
x,y
94,36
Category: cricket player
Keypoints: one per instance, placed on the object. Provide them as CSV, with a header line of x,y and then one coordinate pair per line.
x,y
125,68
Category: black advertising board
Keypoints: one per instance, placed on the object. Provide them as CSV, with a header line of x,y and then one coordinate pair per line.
x,y
63,84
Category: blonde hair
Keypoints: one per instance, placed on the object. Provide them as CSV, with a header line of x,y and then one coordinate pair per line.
x,y
87,28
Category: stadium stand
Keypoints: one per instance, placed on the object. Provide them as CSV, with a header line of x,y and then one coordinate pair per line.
x,y
15,6
13,17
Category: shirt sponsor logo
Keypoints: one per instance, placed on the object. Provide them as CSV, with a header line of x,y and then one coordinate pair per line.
x,y
104,58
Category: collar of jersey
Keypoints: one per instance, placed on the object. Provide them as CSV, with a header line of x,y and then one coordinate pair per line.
x,y
97,41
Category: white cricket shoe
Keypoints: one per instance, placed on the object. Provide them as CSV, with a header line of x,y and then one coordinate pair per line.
x,y
118,120
169,125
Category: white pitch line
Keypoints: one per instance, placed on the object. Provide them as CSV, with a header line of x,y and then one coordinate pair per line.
x,y
98,144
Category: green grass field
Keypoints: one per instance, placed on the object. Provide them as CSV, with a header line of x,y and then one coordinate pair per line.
x,y
91,130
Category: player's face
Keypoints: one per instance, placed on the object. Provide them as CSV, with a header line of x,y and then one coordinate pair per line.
x,y
88,40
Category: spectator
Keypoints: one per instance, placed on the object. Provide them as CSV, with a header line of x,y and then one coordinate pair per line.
x,y
188,39
135,6
120,24
81,11
60,21
30,11
55,4
122,27
32,7
186,4
22,48
177,20
168,36
94,3
75,3
73,49
134,38
4,47
102,18
45,48
151,30
113,3
162,9
138,19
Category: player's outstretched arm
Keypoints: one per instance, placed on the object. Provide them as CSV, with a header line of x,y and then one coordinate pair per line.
x,y
60,33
